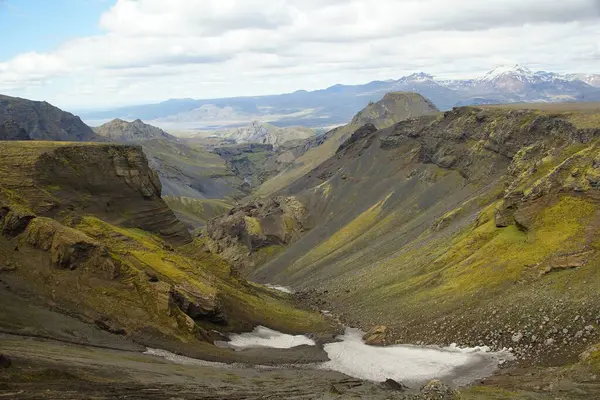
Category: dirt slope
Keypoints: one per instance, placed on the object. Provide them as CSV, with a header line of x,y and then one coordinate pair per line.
x,y
392,108
477,226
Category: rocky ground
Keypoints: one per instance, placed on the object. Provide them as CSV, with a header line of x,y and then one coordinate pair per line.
x,y
46,369
526,377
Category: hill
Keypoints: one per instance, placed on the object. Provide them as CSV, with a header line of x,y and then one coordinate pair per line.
x,y
22,119
477,226
392,108
123,131
92,255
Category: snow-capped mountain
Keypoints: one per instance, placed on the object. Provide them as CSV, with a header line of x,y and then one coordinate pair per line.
x,y
337,104
590,79
518,79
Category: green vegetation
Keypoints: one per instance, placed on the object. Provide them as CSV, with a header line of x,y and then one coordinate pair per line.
x,y
394,107
197,211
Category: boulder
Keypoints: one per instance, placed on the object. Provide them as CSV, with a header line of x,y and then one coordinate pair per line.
x,y
197,305
394,385
377,336
437,390
12,222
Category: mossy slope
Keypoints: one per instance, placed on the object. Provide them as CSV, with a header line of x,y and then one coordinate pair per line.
x,y
477,226
94,263
392,108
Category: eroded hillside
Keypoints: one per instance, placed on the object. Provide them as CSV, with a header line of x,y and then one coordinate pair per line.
x,y
85,237
270,224
476,226
392,108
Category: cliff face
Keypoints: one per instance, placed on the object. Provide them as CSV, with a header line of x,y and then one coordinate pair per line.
x,y
22,119
474,226
111,182
86,238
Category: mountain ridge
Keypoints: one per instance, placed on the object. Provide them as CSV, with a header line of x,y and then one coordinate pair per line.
x,y
337,104
22,119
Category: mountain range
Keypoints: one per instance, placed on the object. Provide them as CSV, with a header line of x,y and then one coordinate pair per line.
x,y
337,104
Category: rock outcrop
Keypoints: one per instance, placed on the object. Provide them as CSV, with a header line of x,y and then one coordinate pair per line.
x,y
376,336
257,226
22,119
112,182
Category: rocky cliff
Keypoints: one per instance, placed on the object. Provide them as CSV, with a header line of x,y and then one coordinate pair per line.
x,y
88,246
251,233
475,226
22,119
111,182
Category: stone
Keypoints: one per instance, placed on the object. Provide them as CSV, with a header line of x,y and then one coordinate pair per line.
x,y
197,305
437,390
516,338
394,385
377,336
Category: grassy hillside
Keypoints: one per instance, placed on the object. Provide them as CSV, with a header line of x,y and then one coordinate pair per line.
x,y
84,231
392,108
196,212
478,226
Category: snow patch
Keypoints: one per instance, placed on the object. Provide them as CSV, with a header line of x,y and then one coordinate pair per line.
x,y
411,365
262,337
283,289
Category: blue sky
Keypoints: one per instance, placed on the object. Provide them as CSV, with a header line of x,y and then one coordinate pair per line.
x,y
42,25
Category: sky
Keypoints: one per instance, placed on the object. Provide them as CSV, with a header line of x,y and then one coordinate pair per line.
x,y
85,54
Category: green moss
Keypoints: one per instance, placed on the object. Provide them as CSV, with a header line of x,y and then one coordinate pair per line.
x,y
264,254
593,360
490,256
345,236
253,226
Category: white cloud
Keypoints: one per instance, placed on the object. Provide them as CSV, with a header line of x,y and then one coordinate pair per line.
x,y
154,49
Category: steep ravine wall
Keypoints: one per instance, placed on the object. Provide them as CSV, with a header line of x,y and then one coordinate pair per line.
x,y
477,226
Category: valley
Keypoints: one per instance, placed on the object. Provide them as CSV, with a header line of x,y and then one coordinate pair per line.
x,y
136,263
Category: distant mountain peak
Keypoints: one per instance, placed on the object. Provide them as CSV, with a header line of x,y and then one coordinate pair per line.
x,y
417,77
515,70
123,131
